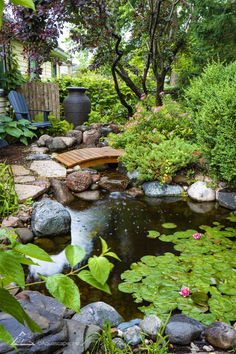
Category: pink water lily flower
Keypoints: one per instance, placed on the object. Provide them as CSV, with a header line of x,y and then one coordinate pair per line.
x,y
196,236
184,292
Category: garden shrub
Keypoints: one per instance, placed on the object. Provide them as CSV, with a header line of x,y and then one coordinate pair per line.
x,y
105,104
200,281
59,127
8,197
211,100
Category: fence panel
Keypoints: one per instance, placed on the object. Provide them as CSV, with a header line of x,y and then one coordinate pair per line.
x,y
42,96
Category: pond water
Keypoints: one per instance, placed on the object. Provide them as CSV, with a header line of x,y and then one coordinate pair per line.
x,y
124,223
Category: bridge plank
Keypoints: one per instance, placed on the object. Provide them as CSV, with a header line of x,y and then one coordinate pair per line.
x,y
89,156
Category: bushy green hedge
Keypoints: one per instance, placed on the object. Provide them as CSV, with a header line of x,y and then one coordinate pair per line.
x,y
106,106
211,99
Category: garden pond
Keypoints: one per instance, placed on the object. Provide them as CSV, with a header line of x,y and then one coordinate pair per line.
x,y
124,223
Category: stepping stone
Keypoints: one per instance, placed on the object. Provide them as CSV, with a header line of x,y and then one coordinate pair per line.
x,y
19,170
25,191
39,150
48,169
24,179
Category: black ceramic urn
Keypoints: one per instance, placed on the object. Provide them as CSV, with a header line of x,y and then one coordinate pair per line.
x,y
77,106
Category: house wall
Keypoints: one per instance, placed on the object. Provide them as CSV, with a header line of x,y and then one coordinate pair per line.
x,y
3,102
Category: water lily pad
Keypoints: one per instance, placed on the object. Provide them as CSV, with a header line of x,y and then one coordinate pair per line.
x,y
153,234
169,225
200,298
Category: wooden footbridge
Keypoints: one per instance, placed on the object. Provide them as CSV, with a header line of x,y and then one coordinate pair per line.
x,y
89,156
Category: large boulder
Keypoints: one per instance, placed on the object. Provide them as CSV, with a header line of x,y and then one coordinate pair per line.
x,y
227,198
221,335
182,329
200,192
91,137
50,218
156,189
98,313
56,144
113,185
61,192
79,181
77,134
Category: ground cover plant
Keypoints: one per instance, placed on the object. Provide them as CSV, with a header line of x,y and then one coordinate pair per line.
x,y
14,255
9,203
200,281
19,130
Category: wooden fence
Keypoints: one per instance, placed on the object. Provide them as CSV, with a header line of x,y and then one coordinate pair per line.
x,y
42,96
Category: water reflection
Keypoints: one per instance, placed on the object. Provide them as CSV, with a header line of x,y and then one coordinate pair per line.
x,y
124,223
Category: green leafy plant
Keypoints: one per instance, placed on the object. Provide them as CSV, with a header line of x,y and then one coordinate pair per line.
x,y
60,286
59,127
200,282
212,103
8,197
12,131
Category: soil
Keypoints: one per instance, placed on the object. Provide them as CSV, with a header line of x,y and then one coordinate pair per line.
x,y
14,154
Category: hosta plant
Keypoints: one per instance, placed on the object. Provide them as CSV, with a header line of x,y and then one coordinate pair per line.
x,y
13,255
200,282
12,131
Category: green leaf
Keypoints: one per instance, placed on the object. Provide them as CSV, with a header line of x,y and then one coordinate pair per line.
x,y
153,234
64,290
26,3
74,254
11,268
33,251
227,289
10,305
1,11
104,246
13,131
100,268
200,298
113,255
6,337
169,225
22,259
86,276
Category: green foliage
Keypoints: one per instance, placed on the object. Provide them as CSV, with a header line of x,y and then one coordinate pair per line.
x,y
205,266
105,104
13,131
12,78
212,103
59,127
160,161
8,198
13,255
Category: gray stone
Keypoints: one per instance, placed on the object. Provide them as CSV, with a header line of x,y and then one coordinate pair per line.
x,y
200,192
134,177
105,131
38,157
88,195
96,125
61,192
82,128
221,335
39,150
227,198
12,221
50,218
56,144
91,137
201,208
25,234
42,140
115,128
132,335
155,189
77,134
80,337
53,337
135,192
3,143
182,329
113,185
25,191
48,169
19,170
79,181
98,313
151,325
68,140
124,325
119,343
24,179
